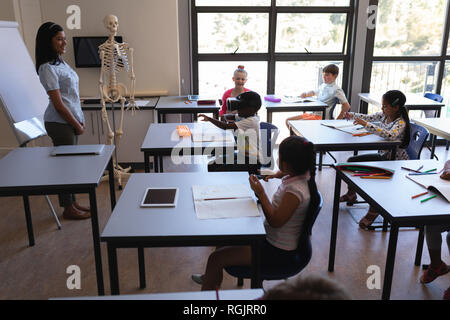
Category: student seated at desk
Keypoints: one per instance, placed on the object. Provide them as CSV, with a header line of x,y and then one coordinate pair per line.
x,y
437,267
248,134
284,215
327,92
239,78
392,124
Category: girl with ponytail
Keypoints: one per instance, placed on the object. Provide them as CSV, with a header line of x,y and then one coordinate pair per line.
x,y
239,79
284,216
392,124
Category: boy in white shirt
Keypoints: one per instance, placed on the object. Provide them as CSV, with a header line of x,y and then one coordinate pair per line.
x,y
328,92
247,132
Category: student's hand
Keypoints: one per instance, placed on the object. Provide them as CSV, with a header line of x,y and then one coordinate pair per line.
x,y
79,130
205,118
256,185
348,115
303,95
360,121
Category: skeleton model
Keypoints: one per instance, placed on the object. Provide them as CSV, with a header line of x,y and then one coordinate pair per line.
x,y
115,58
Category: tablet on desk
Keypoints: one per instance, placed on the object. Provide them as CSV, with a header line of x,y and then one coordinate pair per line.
x,y
160,197
76,150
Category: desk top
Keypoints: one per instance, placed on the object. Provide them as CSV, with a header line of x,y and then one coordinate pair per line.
x,y
131,222
164,137
35,168
394,195
412,100
324,136
436,126
178,102
241,294
294,105
97,106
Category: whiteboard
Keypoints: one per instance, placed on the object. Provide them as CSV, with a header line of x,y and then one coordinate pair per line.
x,y
21,92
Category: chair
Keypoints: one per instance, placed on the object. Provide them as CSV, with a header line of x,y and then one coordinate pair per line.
x,y
418,138
269,135
432,114
304,250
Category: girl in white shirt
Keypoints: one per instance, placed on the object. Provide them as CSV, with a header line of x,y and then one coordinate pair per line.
x,y
284,215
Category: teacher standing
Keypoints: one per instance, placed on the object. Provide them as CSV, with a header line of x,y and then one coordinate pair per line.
x,y
63,118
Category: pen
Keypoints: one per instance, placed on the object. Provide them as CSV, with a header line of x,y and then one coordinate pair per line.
x,y
428,198
420,168
376,177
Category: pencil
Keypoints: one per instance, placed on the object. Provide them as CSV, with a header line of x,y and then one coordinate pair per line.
x,y
408,169
420,168
419,195
376,177
421,174
369,174
428,198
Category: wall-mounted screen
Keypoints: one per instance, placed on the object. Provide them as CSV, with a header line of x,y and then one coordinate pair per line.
x,y
86,51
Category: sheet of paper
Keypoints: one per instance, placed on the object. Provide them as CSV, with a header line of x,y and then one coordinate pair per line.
x,y
233,208
338,124
142,103
212,135
221,191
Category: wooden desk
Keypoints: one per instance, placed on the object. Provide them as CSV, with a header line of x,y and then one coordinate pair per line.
x,y
131,226
177,104
438,127
329,139
314,106
33,171
162,139
392,199
413,102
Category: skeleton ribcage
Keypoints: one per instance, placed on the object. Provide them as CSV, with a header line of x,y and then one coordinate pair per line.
x,y
115,58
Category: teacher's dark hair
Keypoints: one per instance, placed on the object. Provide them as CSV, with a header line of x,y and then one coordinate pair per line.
x,y
44,51
397,98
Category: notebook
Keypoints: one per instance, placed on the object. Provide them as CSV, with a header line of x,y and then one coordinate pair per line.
x,y
224,201
212,135
433,183
73,150
345,126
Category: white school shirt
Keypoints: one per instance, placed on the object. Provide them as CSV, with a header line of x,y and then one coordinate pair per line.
x,y
63,78
328,93
249,137
286,236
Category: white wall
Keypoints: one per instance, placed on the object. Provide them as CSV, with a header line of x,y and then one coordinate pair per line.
x,y
7,10
149,26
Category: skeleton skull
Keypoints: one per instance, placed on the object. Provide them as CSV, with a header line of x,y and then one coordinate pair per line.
x,y
111,24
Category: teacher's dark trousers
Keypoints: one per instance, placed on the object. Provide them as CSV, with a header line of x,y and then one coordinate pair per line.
x,y
62,134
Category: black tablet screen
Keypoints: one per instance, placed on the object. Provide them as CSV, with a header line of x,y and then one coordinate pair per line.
x,y
160,196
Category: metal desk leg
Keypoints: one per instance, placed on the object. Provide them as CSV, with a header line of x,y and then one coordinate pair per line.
x,y
216,115
320,160
433,139
419,246
256,265
146,162
96,239
26,205
389,270
141,260
334,223
156,160
112,191
164,118
113,269
269,116
161,169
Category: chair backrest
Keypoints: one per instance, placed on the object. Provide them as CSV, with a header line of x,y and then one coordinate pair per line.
x,y
336,101
314,208
433,96
269,135
419,135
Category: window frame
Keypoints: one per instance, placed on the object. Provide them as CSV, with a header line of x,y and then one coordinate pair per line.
x,y
271,57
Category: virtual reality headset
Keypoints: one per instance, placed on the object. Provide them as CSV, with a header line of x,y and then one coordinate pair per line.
x,y
246,99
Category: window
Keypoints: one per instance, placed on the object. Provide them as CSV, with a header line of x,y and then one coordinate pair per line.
x,y
407,51
283,44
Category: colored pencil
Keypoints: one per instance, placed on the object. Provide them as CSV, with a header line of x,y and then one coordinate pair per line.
x,y
369,174
420,168
419,195
376,177
428,198
408,169
361,134
430,170
421,174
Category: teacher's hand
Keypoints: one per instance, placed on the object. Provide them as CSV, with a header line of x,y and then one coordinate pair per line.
x,y
79,130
